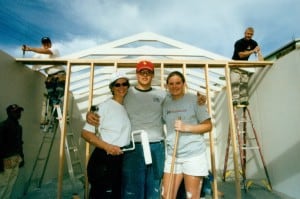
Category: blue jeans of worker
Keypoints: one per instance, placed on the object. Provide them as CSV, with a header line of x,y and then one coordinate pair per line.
x,y
141,181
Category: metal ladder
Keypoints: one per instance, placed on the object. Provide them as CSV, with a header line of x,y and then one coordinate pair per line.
x,y
75,169
244,139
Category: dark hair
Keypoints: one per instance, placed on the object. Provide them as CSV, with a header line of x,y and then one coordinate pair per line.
x,y
46,40
176,73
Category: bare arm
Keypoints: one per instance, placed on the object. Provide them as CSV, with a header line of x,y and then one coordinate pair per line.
x,y
259,56
245,53
256,51
37,50
201,128
94,140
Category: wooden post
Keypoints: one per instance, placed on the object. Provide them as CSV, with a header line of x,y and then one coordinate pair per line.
x,y
211,138
87,145
63,133
233,132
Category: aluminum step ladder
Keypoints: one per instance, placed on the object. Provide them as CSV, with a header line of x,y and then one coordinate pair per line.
x,y
247,140
75,169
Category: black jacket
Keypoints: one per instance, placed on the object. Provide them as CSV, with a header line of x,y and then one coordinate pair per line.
x,y
11,142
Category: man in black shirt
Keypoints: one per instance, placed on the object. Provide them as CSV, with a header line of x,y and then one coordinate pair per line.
x,y
246,46
243,48
11,150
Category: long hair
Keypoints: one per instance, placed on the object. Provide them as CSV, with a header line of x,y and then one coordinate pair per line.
x,y
176,73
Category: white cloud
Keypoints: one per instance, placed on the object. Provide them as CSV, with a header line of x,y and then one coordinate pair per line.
x,y
212,25
75,45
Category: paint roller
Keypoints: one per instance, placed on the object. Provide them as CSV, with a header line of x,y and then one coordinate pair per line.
x,y
145,145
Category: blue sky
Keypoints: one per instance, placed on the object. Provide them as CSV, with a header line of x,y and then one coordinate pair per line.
x,y
214,25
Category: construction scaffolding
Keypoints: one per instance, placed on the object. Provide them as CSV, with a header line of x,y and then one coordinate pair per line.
x,y
212,72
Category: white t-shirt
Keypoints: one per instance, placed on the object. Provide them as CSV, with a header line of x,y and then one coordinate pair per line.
x,y
55,53
48,69
114,126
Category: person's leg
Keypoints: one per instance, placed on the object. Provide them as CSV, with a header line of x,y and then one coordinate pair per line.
x,y
205,188
244,97
155,171
194,168
177,179
4,177
193,186
60,87
116,175
96,191
50,84
235,86
133,174
11,171
181,193
101,172
8,179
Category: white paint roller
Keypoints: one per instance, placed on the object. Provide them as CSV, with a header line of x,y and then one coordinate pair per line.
x,y
145,145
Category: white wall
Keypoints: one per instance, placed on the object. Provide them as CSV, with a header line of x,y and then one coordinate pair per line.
x,y
278,110
26,88
275,110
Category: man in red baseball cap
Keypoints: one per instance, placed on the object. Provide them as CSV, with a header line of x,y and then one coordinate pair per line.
x,y
143,104
145,65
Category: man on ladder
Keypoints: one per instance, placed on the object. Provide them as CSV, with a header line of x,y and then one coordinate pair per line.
x,y
55,75
52,113
55,85
239,86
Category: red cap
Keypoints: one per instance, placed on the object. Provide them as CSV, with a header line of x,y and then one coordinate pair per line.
x,y
144,65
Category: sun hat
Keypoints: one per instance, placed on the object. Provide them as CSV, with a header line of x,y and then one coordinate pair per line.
x,y
117,75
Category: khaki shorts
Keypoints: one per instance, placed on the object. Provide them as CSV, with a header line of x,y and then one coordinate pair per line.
x,y
194,166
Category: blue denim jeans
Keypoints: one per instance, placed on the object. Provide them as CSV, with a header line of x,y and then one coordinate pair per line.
x,y
141,181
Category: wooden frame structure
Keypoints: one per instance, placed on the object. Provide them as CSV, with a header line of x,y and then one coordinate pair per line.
x,y
207,65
